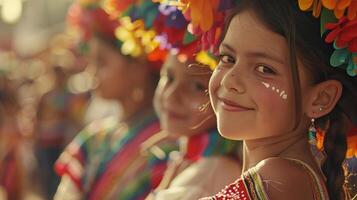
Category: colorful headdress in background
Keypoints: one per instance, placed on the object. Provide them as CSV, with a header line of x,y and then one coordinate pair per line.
x,y
162,28
136,30
206,21
86,19
173,35
132,38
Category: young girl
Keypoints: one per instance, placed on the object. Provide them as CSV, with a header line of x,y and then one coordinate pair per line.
x,y
196,170
105,160
275,83
182,102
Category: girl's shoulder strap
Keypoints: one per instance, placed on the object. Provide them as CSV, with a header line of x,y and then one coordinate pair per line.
x,y
319,189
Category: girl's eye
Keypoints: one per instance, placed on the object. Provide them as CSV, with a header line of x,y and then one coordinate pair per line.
x,y
199,87
265,70
226,59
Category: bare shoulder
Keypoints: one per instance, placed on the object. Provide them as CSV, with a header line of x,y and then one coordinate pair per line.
x,y
285,179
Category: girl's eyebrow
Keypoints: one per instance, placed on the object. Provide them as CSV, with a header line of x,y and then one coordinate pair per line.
x,y
265,55
228,47
256,54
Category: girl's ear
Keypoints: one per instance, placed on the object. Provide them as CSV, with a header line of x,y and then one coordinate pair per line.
x,y
323,98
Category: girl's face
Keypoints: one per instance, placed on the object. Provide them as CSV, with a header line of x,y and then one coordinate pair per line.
x,y
113,71
181,92
251,89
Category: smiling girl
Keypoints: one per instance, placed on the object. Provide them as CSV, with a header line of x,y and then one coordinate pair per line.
x,y
275,83
182,103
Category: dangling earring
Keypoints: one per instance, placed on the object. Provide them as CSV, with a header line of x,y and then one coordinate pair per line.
x,y
312,132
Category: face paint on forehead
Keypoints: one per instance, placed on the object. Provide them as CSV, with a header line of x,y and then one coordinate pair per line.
x,y
280,92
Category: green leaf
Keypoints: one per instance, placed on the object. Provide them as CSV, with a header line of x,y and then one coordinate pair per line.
x,y
327,16
188,38
339,57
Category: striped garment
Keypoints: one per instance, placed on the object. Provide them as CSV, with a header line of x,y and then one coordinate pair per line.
x,y
251,186
106,161
210,143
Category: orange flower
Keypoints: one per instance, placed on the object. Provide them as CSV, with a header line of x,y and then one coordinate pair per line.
x,y
351,146
339,7
201,12
115,8
315,5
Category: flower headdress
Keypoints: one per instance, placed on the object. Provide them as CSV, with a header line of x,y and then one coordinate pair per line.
x,y
132,38
85,19
173,35
137,19
161,27
338,20
206,23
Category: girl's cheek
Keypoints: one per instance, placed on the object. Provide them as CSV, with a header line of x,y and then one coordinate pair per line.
x,y
269,96
194,106
213,86
215,80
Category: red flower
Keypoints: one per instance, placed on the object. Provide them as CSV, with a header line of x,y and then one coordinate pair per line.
x,y
91,20
343,33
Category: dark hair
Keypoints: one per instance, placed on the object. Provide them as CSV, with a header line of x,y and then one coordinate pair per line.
x,y
302,32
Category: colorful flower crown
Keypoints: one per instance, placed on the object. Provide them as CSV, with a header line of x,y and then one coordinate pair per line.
x,y
87,18
206,23
173,35
163,27
134,38
136,30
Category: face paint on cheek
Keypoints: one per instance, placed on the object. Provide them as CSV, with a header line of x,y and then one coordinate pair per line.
x,y
280,92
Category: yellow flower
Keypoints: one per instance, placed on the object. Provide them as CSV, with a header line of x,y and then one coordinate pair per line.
x,y
135,38
204,58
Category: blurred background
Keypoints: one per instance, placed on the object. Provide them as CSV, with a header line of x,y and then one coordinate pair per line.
x,y
44,88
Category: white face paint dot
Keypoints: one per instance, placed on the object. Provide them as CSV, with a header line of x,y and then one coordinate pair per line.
x,y
267,85
282,93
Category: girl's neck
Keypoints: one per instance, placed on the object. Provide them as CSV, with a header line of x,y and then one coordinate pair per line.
x,y
289,145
